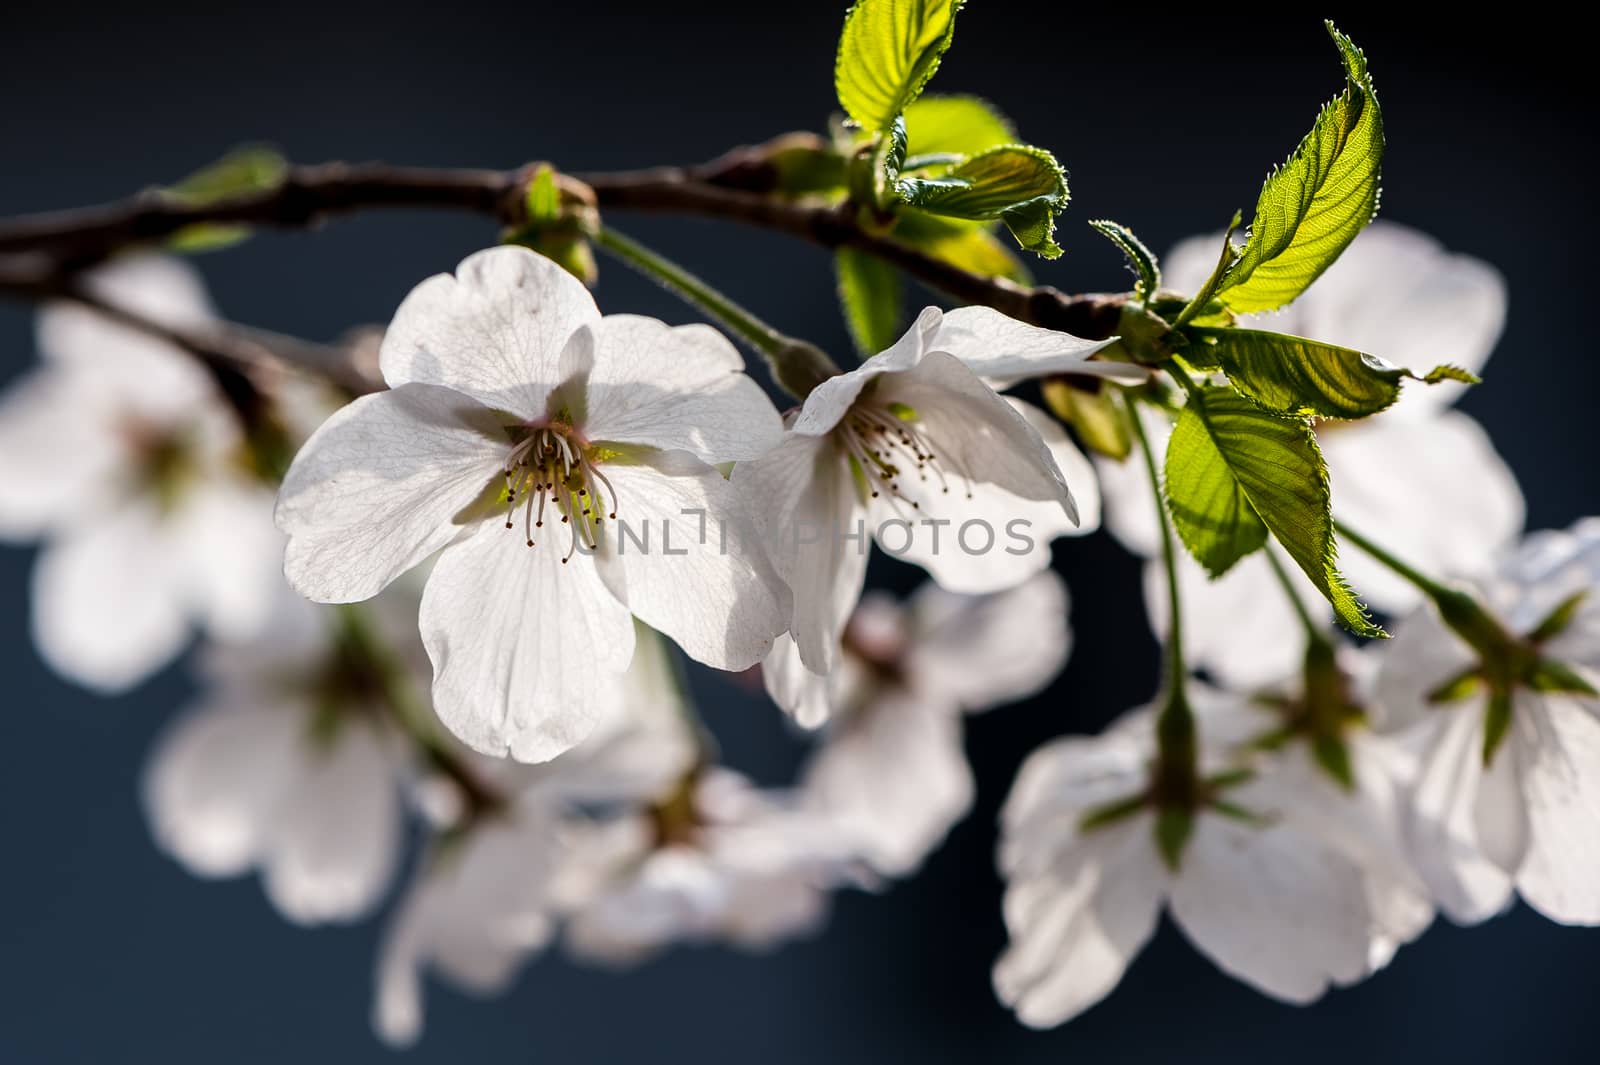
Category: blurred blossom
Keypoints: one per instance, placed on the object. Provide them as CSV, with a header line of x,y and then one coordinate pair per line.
x,y
719,861
521,426
913,446
1421,476
289,764
487,895
1523,817
892,770
121,455
1288,882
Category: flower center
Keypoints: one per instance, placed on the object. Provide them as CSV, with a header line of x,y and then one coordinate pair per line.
x,y
886,445
549,468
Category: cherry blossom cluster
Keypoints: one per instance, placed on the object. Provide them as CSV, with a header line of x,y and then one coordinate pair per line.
x,y
497,565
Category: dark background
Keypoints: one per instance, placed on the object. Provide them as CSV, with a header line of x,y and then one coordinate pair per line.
x,y
110,952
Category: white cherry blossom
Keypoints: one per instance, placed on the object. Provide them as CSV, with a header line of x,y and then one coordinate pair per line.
x,y
486,897
892,769
1424,475
563,462
1286,882
914,450
1527,817
287,764
720,861
120,454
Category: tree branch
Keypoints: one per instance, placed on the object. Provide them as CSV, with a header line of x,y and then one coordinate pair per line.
x,y
737,187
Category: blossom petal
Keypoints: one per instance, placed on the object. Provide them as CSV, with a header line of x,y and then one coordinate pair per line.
x,y
377,488
114,361
986,650
108,602
1075,929
981,436
894,776
336,839
1436,489
830,400
233,557
676,388
48,464
528,652
494,330
215,780
1559,746
1440,826
687,563
1273,907
806,696
997,346
804,505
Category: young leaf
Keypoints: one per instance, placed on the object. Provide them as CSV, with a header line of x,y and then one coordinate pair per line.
x,y
239,173
542,202
1279,470
887,52
1213,518
1146,270
1313,206
1097,416
970,245
871,294
1292,375
957,125
1023,187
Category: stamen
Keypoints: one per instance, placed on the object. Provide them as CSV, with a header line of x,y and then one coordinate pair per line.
x,y
550,466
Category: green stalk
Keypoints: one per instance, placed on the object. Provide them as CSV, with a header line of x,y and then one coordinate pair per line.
x,y
797,367
1176,785
1314,633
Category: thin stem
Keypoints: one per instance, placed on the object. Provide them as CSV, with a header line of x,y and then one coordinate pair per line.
x,y
1177,747
758,334
410,715
796,365
1427,585
1314,632
1174,645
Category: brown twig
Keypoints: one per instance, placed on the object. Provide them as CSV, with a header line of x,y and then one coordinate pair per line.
x,y
737,187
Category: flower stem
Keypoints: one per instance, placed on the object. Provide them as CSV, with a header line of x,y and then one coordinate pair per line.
x,y
1176,783
410,715
797,366
1314,632
1427,585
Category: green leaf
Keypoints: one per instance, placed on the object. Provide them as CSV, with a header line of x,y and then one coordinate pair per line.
x,y
1023,187
1097,416
872,296
957,125
887,52
1279,470
970,245
1146,270
1333,755
1213,518
1293,375
241,172
1313,206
